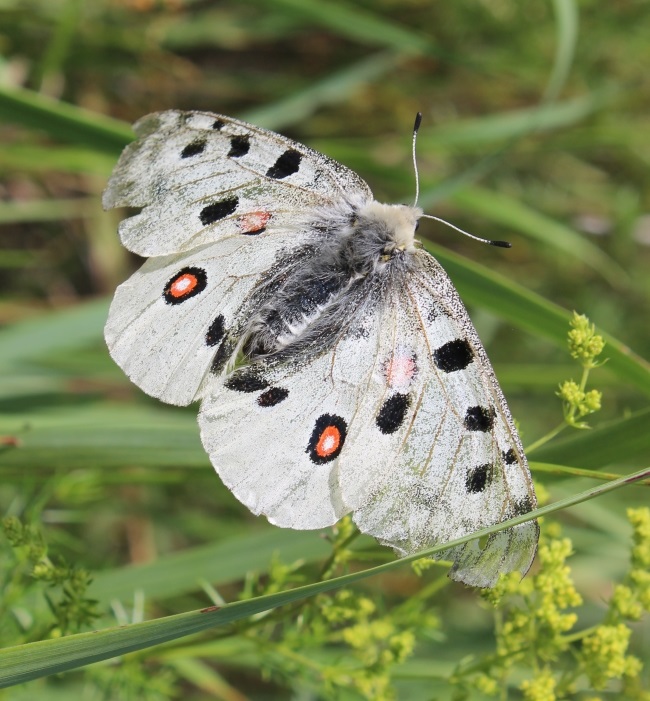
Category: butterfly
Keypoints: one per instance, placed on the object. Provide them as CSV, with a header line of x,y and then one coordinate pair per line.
x,y
337,368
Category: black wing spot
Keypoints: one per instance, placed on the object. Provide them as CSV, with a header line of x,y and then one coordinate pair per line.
x,y
479,418
246,380
218,124
453,356
287,164
218,210
478,477
272,396
509,456
327,438
193,149
392,413
185,284
216,331
239,146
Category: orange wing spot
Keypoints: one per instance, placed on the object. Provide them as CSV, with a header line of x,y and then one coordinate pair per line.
x,y
253,222
183,285
329,441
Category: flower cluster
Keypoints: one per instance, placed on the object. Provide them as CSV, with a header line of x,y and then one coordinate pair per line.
x,y
535,627
585,346
578,403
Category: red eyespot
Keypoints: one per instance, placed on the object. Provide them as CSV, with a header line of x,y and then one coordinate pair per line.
x,y
327,438
187,283
329,441
183,285
253,222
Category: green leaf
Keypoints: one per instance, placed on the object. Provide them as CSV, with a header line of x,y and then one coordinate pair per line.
x,y
566,22
517,123
104,436
63,330
507,211
31,661
30,158
615,443
48,210
532,313
217,563
334,89
360,25
63,121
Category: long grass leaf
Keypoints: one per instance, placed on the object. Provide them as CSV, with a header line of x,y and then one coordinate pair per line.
x,y
615,443
360,25
217,563
515,123
505,210
532,313
331,90
31,661
65,329
566,22
63,121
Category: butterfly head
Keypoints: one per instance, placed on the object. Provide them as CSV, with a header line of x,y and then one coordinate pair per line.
x,y
393,225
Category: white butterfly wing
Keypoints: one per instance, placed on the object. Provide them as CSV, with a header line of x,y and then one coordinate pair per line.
x,y
201,177
433,454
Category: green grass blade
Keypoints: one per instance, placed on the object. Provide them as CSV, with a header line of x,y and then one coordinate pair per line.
x,y
30,158
566,20
532,313
360,25
516,123
26,662
217,563
617,442
566,471
63,121
102,435
63,330
48,210
504,210
332,90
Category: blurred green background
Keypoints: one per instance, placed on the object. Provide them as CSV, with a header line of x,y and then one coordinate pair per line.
x,y
536,130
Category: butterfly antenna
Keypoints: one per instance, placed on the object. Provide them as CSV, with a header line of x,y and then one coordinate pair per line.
x,y
500,244
416,127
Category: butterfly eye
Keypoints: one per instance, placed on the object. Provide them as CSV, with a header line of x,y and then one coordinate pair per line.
x,y
417,224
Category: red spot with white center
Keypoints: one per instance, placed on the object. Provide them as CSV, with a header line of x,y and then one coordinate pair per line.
x,y
329,442
253,222
185,284
400,370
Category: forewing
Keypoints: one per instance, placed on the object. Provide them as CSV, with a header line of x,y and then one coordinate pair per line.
x,y
432,454
201,177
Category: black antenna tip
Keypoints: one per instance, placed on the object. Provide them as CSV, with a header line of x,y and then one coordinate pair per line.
x,y
418,121
501,244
